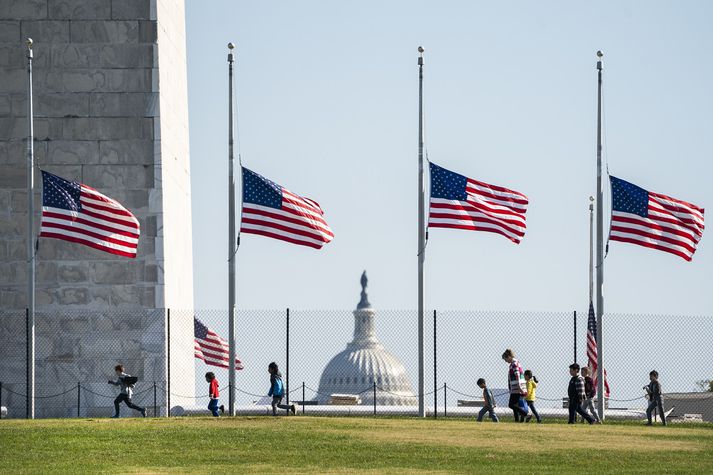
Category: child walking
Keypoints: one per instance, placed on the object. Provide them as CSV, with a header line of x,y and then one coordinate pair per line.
x,y
127,387
516,384
653,390
576,394
213,394
531,382
489,404
277,389
590,390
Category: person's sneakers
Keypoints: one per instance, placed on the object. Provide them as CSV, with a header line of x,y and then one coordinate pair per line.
x,y
143,412
115,416
293,409
528,418
222,409
649,424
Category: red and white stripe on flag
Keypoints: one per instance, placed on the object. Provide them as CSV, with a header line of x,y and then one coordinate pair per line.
x,y
272,211
75,212
460,202
214,351
592,351
654,220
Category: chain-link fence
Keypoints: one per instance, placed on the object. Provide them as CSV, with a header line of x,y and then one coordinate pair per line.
x,y
348,362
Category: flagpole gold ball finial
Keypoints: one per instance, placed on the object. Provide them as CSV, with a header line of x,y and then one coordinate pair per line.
x,y
421,50
29,42
591,198
231,46
600,54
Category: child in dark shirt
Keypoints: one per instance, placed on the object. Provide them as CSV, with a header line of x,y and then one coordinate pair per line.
x,y
653,390
576,394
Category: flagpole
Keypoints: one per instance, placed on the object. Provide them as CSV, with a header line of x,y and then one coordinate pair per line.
x,y
421,240
591,248
600,245
30,404
232,244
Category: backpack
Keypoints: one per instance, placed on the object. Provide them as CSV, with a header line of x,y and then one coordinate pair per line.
x,y
130,380
279,389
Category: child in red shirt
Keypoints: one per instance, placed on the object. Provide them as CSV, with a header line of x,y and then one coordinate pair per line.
x,y
214,394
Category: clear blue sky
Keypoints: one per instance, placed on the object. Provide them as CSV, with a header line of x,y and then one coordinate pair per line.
x,y
327,106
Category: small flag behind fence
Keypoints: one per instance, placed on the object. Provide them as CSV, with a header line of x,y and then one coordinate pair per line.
x,y
78,213
592,350
271,210
653,220
463,203
210,347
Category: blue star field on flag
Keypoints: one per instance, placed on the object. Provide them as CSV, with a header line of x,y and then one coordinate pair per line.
x,y
60,193
629,198
261,191
447,184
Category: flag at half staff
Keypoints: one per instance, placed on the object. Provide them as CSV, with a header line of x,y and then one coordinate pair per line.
x,y
653,220
272,211
463,203
210,347
78,213
593,350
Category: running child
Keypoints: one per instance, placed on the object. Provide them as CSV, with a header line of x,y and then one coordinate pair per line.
x,y
127,388
277,389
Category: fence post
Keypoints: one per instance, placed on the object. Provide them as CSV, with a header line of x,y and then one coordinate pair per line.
x,y
79,394
303,398
0,399
435,371
374,397
168,363
154,399
29,402
445,400
287,360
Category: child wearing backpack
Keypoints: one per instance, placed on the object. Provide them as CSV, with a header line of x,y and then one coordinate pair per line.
x,y
126,381
277,389
531,382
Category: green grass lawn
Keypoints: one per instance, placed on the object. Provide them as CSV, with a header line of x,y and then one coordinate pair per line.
x,y
346,445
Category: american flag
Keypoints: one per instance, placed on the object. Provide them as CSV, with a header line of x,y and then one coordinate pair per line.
x,y
592,349
78,213
210,347
272,211
654,220
463,203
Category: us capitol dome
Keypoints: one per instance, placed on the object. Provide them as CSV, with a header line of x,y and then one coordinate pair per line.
x,y
365,361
